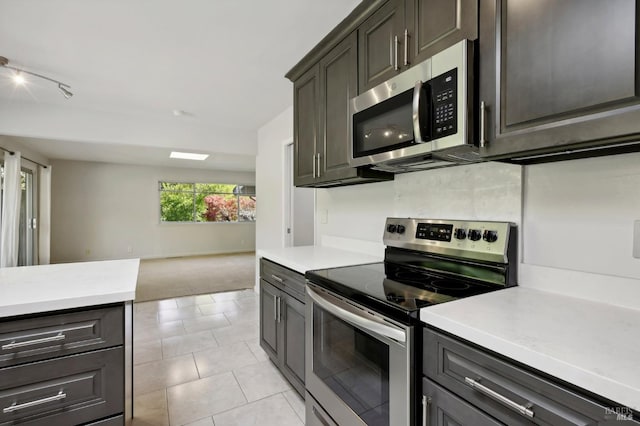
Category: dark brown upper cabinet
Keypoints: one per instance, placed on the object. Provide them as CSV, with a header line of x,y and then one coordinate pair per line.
x,y
403,33
321,120
306,115
434,25
379,39
558,79
338,84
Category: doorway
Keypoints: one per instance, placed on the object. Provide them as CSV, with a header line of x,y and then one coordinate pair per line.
x,y
299,208
27,244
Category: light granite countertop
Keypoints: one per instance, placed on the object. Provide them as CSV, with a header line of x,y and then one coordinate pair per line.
x,y
306,258
43,288
589,344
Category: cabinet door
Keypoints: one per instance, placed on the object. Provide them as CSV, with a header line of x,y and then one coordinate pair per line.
x,y
268,318
378,49
292,352
338,84
434,25
443,408
306,102
558,74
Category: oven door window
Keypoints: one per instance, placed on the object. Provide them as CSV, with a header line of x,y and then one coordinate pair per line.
x,y
353,364
385,126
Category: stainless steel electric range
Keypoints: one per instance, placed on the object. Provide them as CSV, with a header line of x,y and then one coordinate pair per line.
x,y
362,347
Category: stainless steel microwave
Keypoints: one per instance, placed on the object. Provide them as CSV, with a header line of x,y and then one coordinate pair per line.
x,y
420,119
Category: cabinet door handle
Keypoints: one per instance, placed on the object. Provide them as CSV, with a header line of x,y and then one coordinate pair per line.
x,y
406,47
395,54
279,308
522,409
426,407
14,344
318,168
15,407
483,108
275,308
277,278
314,166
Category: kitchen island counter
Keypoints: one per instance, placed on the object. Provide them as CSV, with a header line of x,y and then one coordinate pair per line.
x,y
44,288
589,344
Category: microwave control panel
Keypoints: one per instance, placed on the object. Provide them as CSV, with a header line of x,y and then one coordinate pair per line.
x,y
445,104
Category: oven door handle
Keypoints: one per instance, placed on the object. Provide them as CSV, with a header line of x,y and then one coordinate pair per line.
x,y
352,315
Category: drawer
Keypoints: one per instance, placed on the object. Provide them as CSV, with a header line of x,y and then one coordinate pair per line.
x,y
283,278
41,337
63,391
444,408
483,379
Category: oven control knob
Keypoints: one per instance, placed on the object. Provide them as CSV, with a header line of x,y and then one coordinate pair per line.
x,y
460,233
391,228
400,229
490,236
474,234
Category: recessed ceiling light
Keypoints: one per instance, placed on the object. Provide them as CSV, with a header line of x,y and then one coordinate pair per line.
x,y
188,155
182,113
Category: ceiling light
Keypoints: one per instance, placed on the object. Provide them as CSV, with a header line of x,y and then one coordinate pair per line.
x,y
19,79
188,155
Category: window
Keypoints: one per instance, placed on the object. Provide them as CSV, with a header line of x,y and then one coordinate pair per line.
x,y
206,202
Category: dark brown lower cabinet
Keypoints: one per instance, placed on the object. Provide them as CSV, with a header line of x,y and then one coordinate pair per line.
x,y
64,368
282,311
442,408
466,385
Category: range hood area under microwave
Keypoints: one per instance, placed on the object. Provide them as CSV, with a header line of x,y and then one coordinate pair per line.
x,y
420,119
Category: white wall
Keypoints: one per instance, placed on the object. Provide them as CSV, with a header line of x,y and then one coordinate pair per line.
x,y
486,191
99,210
271,183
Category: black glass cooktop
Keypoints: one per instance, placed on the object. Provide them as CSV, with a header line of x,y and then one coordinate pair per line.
x,y
396,290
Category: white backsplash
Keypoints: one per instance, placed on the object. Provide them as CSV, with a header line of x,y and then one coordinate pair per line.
x,y
575,218
486,191
579,215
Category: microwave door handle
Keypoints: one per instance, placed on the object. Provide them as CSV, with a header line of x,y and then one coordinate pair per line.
x,y
417,93
351,315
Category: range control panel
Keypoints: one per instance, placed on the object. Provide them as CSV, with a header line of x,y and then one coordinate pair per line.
x,y
470,239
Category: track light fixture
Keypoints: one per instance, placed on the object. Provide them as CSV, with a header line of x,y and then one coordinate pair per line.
x,y
18,77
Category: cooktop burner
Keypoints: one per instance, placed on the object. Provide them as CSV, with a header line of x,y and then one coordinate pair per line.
x,y
395,287
428,262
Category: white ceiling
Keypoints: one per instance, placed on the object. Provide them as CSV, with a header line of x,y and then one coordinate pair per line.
x,y
130,63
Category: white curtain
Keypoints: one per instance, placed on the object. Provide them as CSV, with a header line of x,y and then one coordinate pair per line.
x,y
10,228
44,216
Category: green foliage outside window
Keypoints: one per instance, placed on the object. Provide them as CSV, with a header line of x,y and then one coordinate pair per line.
x,y
206,202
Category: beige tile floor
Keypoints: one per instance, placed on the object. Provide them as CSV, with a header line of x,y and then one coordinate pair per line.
x,y
197,362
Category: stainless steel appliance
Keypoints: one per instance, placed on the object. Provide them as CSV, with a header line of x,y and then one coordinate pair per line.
x,y
420,119
362,322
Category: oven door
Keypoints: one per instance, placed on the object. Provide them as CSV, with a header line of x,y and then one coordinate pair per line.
x,y
359,365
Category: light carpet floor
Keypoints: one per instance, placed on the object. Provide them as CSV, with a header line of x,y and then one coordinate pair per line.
x,y
184,276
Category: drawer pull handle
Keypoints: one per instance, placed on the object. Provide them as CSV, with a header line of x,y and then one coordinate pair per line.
x,y
525,411
15,407
277,278
14,345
